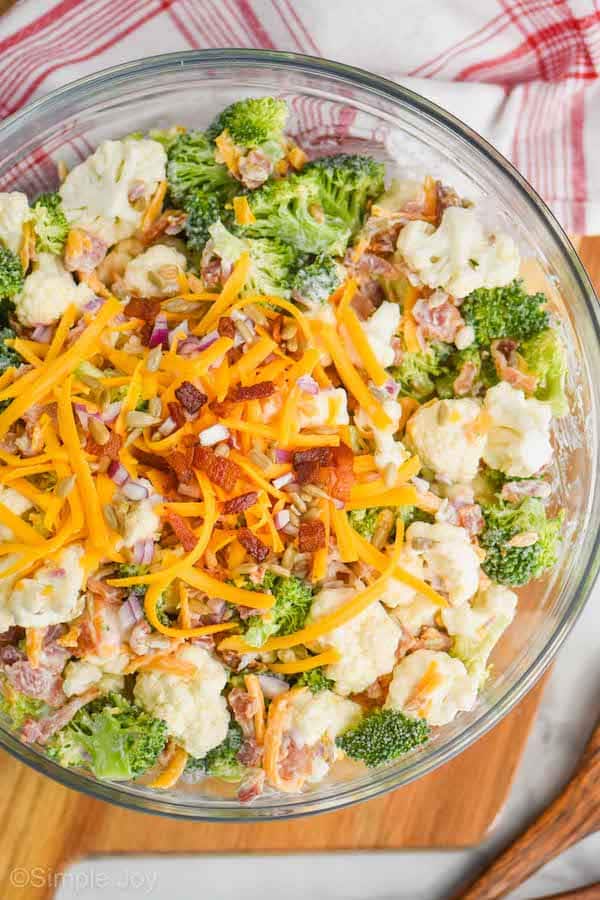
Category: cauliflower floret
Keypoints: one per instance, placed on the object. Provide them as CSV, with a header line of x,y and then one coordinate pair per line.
x,y
95,194
322,716
151,273
7,620
14,212
367,644
431,685
53,596
471,620
379,330
450,562
48,291
417,614
141,523
388,450
17,504
328,407
194,709
396,593
518,441
446,439
107,674
459,256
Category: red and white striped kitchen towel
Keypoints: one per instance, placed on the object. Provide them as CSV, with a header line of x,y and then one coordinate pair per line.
x,y
524,73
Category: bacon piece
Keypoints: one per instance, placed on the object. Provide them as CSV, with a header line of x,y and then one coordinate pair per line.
x,y
253,545
244,707
151,460
220,470
240,503
294,761
253,392
470,518
250,753
320,455
171,221
252,786
254,169
9,654
307,473
40,731
83,251
464,381
504,354
438,323
139,308
338,477
311,536
514,491
110,449
190,397
226,327
11,636
183,532
181,464
177,414
39,683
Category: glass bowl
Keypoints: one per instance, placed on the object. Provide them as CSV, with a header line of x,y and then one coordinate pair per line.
x,y
335,107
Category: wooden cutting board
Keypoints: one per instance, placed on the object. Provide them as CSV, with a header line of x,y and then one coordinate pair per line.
x,y
45,825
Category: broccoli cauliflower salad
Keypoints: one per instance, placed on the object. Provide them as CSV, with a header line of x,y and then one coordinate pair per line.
x,y
275,443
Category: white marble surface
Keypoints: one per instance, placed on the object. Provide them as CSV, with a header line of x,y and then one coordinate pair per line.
x,y
569,709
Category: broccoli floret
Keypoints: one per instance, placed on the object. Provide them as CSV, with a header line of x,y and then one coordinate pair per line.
x,y
49,223
18,707
383,735
11,275
112,737
8,355
516,566
485,371
316,282
293,598
203,210
165,136
192,167
417,372
132,570
346,185
272,262
221,761
505,312
255,122
291,210
545,356
364,521
315,680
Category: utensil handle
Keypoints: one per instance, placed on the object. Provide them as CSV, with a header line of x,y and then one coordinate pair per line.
x,y
573,814
589,892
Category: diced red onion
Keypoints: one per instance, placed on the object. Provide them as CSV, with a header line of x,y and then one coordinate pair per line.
x,y
138,552
213,435
167,427
94,304
208,340
272,687
126,613
339,504
135,490
42,334
160,332
82,414
283,480
283,456
281,519
117,472
391,388
111,411
189,347
308,385
148,552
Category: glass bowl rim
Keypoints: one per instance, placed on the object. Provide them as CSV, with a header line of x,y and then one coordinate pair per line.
x,y
347,794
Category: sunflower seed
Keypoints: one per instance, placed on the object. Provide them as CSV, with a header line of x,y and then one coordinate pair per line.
x,y
245,332
294,518
289,331
138,419
298,502
99,431
155,406
287,560
256,314
64,486
313,491
154,359
221,450
525,539
133,436
390,473
110,516
259,459
383,528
